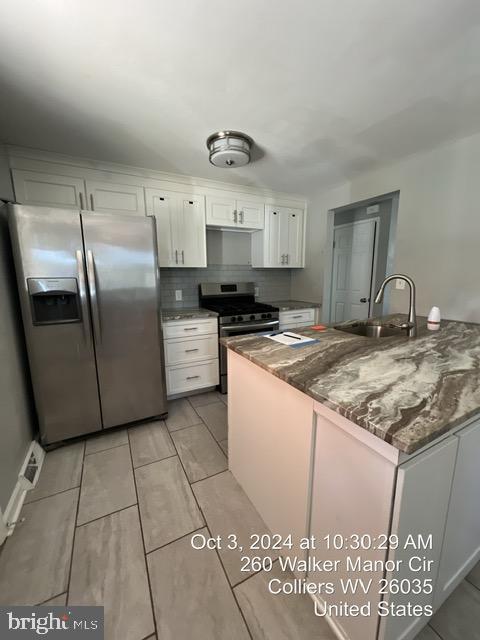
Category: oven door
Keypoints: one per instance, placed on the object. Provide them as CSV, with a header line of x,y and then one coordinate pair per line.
x,y
230,330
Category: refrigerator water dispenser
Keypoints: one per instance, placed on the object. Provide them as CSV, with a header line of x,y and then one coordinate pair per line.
x,y
54,300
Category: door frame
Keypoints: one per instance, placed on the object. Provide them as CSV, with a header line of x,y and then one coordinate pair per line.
x,y
373,267
394,196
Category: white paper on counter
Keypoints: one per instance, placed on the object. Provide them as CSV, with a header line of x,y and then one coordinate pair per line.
x,y
291,339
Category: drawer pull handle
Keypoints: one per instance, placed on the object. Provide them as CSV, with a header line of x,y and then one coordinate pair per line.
x,y
190,328
192,377
300,316
190,350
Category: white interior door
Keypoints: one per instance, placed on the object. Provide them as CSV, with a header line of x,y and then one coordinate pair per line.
x,y
353,257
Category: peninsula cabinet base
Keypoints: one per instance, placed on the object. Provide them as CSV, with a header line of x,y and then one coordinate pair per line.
x,y
391,535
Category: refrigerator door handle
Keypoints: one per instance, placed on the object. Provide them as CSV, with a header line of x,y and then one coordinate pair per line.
x,y
92,285
82,289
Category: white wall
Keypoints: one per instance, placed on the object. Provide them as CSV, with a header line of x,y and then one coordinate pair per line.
x,y
438,230
6,188
228,247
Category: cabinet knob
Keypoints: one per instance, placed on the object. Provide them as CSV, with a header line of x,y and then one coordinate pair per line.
x,y
364,299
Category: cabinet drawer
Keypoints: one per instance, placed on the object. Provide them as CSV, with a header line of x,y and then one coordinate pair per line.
x,y
182,351
188,328
296,325
190,377
297,317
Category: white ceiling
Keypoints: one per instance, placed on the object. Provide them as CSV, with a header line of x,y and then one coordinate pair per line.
x,y
327,88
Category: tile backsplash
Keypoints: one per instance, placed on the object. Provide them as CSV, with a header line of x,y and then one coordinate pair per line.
x,y
273,284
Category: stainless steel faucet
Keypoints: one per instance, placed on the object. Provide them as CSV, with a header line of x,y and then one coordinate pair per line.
x,y
411,325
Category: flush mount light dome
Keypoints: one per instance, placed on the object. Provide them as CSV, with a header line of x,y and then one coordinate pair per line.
x,y
229,149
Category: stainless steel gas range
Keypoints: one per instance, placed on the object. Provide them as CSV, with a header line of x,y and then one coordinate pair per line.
x,y
238,314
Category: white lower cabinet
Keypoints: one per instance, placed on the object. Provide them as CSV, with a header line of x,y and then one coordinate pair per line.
x,y
352,490
186,350
420,509
192,377
296,318
191,355
461,543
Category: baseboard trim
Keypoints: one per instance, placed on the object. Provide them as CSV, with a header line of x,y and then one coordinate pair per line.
x,y
27,479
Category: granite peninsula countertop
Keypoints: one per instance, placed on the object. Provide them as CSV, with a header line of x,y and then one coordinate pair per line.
x,y
187,314
407,392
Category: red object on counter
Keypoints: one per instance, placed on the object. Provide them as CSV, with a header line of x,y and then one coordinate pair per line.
x,y
319,327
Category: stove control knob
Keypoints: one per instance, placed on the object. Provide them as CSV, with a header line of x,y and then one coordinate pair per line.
x,y
264,315
252,317
240,318
233,319
269,315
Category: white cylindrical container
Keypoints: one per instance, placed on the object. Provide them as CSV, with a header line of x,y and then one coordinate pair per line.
x,y
433,321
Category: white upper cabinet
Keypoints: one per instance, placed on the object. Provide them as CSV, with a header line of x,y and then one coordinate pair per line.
x,y
32,187
48,190
250,214
111,197
193,231
281,243
295,238
181,231
221,212
183,211
231,213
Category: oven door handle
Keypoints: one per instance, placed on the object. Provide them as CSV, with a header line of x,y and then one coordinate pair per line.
x,y
263,325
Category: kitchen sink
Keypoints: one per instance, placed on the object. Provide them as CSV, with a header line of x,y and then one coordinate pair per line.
x,y
371,330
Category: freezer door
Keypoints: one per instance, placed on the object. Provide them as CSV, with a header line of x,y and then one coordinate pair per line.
x,y
49,261
124,296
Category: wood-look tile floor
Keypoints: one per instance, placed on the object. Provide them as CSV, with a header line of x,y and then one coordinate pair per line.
x,y
110,523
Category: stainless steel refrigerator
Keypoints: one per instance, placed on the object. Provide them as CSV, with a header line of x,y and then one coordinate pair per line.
x,y
89,293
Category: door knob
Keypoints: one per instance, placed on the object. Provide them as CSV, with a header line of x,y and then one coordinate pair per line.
x,y
364,299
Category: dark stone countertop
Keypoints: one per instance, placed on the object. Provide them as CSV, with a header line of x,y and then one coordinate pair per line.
x,y
293,305
406,391
187,314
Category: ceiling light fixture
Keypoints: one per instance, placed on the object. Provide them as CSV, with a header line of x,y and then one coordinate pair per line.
x,y
229,149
